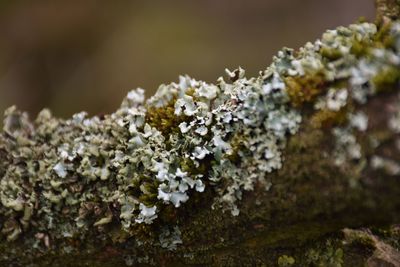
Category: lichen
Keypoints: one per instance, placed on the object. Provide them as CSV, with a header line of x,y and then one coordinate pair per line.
x,y
118,175
285,261
330,256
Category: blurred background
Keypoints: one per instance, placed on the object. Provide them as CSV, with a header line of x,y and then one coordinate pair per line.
x,y
86,55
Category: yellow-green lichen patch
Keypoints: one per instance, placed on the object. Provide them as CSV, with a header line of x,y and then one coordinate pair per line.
x,y
238,146
387,79
331,53
330,256
286,261
304,89
384,37
359,48
328,118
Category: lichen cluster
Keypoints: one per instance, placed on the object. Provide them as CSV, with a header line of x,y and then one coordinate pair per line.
x,y
65,179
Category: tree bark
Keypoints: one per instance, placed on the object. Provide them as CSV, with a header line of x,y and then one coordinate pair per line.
x,y
388,8
315,212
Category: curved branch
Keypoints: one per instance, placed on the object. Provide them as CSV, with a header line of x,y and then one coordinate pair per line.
x,y
265,170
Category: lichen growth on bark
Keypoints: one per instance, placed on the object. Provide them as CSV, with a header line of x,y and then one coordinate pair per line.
x,y
123,177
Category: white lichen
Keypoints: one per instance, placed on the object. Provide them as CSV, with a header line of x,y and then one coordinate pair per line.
x,y
390,166
336,99
359,121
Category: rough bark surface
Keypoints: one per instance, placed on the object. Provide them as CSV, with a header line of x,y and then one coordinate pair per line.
x,y
388,8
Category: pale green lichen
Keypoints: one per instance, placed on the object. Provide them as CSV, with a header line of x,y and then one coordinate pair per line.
x,y
63,180
325,257
170,238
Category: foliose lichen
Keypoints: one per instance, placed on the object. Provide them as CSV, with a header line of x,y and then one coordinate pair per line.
x,y
329,256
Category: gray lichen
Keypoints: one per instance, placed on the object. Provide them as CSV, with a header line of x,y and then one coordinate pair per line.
x,y
64,179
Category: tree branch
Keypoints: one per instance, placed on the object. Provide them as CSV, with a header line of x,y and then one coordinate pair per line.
x,y
388,8
250,171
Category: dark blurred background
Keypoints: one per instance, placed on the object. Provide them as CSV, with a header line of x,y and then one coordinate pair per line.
x,y
85,55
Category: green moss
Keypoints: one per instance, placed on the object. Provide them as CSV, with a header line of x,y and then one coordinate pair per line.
x,y
148,199
330,53
387,79
187,165
327,118
305,89
237,144
164,118
359,48
383,38
285,261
